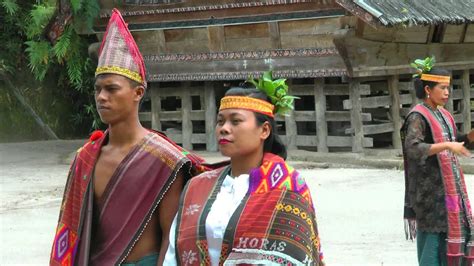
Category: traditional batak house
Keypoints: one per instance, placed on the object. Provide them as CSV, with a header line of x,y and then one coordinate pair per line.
x,y
348,61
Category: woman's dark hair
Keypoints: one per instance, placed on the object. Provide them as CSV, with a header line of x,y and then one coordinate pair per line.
x,y
273,143
421,84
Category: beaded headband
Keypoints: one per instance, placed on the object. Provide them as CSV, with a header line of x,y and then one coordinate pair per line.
x,y
247,103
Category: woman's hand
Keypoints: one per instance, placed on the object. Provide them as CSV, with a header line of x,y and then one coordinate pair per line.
x,y
458,148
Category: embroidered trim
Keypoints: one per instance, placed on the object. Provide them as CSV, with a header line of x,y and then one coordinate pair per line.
x,y
252,104
271,256
236,55
296,211
307,218
436,78
310,73
120,71
204,8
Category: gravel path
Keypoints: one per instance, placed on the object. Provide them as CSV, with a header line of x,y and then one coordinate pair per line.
x,y
359,210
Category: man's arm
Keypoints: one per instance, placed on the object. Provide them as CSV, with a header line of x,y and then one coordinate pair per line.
x,y
166,212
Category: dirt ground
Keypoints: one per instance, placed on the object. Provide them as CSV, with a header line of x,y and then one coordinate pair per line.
x,y
359,210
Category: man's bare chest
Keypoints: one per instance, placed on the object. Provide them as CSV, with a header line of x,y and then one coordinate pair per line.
x,y
105,169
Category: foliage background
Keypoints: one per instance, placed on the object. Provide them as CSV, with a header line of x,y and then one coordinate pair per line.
x,y
56,79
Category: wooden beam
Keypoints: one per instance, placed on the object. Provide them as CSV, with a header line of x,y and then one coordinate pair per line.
x,y
395,111
195,139
431,31
211,112
466,102
320,108
345,116
171,91
290,126
239,65
462,37
333,116
187,125
394,58
383,86
173,115
216,38
274,30
160,41
360,26
333,141
374,129
356,118
329,89
378,101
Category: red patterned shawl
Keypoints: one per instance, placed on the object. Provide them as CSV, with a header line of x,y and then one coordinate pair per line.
x,y
134,191
274,223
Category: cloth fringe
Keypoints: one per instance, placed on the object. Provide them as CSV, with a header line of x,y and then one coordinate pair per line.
x,y
410,229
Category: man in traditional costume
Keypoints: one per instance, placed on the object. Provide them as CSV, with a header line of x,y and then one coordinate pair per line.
x,y
123,187
437,208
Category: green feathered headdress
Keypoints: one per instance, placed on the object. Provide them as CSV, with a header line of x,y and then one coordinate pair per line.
x,y
277,91
423,66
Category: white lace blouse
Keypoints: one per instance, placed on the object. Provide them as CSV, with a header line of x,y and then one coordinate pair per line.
x,y
228,199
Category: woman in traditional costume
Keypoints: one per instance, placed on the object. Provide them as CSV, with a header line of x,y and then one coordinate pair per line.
x,y
256,210
437,208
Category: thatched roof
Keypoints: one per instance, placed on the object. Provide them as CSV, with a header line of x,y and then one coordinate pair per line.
x,y
412,12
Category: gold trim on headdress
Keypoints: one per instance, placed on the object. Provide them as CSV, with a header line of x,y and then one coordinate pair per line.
x,y
120,71
436,78
248,103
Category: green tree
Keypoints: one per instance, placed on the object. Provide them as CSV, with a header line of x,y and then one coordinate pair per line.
x,y
24,26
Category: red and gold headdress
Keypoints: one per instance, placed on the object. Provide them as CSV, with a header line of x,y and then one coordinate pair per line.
x,y
118,53
247,103
423,67
276,90
436,78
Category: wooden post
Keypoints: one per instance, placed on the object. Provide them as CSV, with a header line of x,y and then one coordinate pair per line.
x,y
155,108
395,111
466,102
290,127
449,105
210,115
187,125
356,116
414,100
320,108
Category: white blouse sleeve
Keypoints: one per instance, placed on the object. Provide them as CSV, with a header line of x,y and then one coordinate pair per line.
x,y
170,258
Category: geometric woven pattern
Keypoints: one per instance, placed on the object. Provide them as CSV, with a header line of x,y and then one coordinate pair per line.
x,y
274,173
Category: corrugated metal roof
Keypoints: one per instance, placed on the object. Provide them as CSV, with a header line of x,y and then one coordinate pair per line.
x,y
414,12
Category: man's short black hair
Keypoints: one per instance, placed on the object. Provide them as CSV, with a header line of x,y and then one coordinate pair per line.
x,y
133,83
